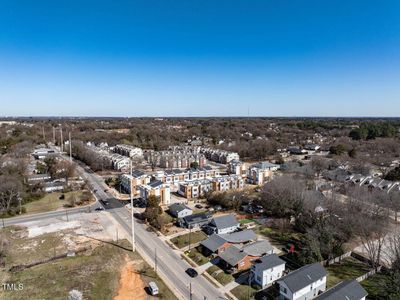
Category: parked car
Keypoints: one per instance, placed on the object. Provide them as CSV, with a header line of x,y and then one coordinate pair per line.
x,y
153,288
199,206
99,208
105,202
192,272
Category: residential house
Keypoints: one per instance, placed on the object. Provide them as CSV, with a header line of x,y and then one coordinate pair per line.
x,y
217,243
345,290
179,210
267,269
223,224
238,259
195,220
304,283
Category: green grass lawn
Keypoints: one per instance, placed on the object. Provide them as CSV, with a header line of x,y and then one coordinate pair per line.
x,y
245,221
221,277
198,257
242,292
376,286
49,202
183,240
349,268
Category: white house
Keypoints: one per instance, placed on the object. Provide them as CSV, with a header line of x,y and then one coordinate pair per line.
x,y
303,284
223,224
267,270
179,210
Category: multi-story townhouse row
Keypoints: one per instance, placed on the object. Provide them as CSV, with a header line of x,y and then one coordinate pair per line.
x,y
220,156
128,150
198,187
134,180
158,189
174,158
236,167
260,173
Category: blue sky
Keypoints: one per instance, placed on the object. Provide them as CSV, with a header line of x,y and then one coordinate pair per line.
x,y
200,58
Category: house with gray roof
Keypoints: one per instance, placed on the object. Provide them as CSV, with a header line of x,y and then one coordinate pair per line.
x,y
258,248
217,243
179,210
223,224
195,220
304,283
267,269
238,258
345,290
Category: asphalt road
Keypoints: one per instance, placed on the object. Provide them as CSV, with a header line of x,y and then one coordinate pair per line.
x,y
169,264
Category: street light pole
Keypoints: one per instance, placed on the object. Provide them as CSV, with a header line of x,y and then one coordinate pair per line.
x,y
133,222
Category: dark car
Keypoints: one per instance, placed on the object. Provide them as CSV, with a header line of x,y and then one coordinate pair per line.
x,y
105,202
198,206
191,272
99,208
94,191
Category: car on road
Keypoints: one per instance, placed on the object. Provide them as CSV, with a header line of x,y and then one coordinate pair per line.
x,y
99,208
192,272
105,202
199,206
95,191
105,191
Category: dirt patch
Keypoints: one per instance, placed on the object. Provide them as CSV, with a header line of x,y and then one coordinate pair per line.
x,y
131,285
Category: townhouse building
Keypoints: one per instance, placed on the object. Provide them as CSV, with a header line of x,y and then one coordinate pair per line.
x,y
128,150
262,172
218,155
158,189
134,180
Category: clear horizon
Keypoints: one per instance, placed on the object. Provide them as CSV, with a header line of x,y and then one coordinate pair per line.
x,y
200,59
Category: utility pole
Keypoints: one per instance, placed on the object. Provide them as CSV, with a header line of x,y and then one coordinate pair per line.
x,y
44,136
61,140
133,222
70,147
66,214
190,290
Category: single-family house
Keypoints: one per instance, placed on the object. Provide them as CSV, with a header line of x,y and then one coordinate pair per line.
x,y
345,290
217,243
304,283
223,224
267,269
179,210
195,220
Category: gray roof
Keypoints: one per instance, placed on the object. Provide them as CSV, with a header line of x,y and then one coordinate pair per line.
x,y
265,165
239,236
137,173
304,276
268,262
224,221
155,183
346,290
197,218
213,242
177,208
232,255
258,248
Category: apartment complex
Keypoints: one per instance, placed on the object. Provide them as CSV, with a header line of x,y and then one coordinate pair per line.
x,y
220,156
134,180
261,172
128,150
197,188
236,167
158,189
181,157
